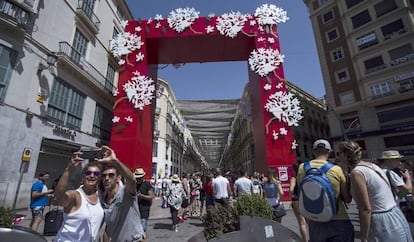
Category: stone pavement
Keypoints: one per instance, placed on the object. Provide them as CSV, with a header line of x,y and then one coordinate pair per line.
x,y
159,224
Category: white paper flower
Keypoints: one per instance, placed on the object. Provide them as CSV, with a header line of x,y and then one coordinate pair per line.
x,y
270,14
279,85
121,62
140,56
252,22
285,107
267,87
271,40
158,25
115,92
263,61
138,29
229,24
149,20
125,43
294,145
124,23
158,17
275,135
140,90
261,39
209,29
283,131
182,18
115,119
129,119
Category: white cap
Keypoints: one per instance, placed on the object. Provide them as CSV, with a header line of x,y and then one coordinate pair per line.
x,y
321,144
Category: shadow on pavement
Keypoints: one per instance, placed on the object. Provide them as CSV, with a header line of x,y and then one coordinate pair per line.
x,y
162,226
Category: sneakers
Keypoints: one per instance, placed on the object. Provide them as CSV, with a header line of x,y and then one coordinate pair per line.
x,y
175,228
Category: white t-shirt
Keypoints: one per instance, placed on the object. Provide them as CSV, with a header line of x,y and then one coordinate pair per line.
x,y
220,184
379,191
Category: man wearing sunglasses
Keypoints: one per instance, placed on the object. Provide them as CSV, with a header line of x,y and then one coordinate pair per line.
x,y
119,200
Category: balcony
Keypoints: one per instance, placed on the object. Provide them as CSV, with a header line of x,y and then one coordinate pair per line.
x,y
376,68
85,13
404,59
72,56
394,34
14,12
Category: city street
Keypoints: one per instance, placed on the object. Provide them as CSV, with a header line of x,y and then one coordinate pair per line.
x,y
159,225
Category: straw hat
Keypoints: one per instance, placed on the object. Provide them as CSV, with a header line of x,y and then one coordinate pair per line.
x,y
175,178
391,154
139,173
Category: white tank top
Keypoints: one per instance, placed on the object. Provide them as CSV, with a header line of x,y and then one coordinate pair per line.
x,y
82,225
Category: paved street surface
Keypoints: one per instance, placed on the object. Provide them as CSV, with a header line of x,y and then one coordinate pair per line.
x,y
159,224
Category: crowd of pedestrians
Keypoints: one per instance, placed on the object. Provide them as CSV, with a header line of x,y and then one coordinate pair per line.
x,y
113,204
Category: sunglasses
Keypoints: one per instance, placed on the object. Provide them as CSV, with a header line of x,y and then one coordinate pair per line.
x,y
95,173
111,175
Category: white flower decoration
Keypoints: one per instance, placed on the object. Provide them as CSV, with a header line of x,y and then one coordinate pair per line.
x,y
271,40
270,14
279,85
115,92
182,18
125,43
149,20
140,56
209,29
267,87
275,135
115,119
140,90
158,25
252,22
124,23
121,62
285,107
261,39
263,61
230,24
158,17
129,119
294,145
138,29
283,131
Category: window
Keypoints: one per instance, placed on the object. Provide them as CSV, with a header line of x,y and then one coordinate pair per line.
x,y
102,123
351,3
327,16
332,35
341,76
360,19
393,29
347,98
401,140
367,40
6,60
337,54
87,7
351,124
384,7
401,54
396,114
374,64
110,77
155,149
381,89
407,85
114,33
80,44
66,104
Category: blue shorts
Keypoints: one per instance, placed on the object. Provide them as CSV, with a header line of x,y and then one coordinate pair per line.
x,y
144,223
335,230
38,212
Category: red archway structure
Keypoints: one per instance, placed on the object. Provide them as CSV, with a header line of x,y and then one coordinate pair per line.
x,y
184,37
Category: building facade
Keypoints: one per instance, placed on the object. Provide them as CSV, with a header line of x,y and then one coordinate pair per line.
x,y
56,84
239,152
366,51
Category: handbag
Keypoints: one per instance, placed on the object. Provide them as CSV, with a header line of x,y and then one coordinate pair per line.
x,y
184,201
279,211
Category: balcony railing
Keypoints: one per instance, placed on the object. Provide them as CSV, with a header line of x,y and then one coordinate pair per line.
x,y
14,11
87,11
376,68
76,57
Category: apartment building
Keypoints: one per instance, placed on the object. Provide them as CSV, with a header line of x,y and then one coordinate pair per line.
x,y
366,51
56,83
239,152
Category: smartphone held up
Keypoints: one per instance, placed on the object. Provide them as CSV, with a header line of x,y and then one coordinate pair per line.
x,y
91,154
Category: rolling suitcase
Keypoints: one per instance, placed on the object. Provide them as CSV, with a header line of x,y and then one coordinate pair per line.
x,y
53,221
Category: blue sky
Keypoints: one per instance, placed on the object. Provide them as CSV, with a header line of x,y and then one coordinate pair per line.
x,y
301,64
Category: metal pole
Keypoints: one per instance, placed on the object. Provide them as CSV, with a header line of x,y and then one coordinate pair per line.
x,y
17,190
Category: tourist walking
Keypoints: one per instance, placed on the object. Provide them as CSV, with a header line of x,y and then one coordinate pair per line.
x,y
273,193
39,198
145,194
243,185
221,188
380,218
176,195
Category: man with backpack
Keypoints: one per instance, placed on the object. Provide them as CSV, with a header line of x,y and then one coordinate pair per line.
x,y
323,189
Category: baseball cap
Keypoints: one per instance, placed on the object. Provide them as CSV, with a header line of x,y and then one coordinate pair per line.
x,y
321,144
